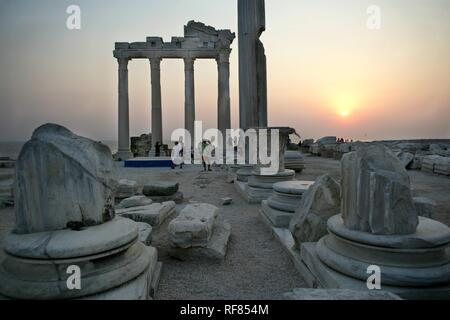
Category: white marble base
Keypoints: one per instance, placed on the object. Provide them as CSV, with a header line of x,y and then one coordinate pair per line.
x,y
277,218
330,279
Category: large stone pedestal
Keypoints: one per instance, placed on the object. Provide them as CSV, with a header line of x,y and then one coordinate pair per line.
x,y
283,202
110,257
64,219
417,260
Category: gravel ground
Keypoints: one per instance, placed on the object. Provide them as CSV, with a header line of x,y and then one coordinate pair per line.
x,y
256,266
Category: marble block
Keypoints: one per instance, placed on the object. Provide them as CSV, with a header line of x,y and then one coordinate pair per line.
x,y
277,218
320,202
376,192
193,227
154,214
126,189
215,250
135,201
160,188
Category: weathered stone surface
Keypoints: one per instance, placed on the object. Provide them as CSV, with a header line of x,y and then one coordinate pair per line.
x,y
135,201
177,197
406,158
327,140
215,250
339,294
154,214
425,207
319,203
161,188
376,195
194,226
226,201
145,233
62,178
126,189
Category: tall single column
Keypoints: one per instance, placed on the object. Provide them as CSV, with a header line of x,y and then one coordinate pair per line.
x,y
189,105
157,126
124,151
252,64
224,109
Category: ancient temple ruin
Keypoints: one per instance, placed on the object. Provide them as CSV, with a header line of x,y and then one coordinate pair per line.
x,y
199,42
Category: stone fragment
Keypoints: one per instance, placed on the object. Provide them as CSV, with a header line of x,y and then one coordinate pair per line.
x,y
154,214
135,201
145,233
425,207
176,197
215,250
194,226
327,140
72,186
406,158
226,201
126,189
160,188
376,192
319,203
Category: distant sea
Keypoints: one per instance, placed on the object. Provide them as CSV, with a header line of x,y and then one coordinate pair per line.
x,y
12,149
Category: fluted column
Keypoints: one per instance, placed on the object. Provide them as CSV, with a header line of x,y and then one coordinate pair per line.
x,y
157,126
224,112
189,105
124,151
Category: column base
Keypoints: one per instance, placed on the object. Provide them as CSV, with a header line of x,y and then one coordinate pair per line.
x,y
123,155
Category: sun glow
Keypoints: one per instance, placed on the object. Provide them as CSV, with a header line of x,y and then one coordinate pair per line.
x,y
345,104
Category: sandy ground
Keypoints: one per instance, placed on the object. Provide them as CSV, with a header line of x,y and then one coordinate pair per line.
x,y
256,266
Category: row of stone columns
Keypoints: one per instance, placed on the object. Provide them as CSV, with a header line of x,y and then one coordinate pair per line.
x,y
224,112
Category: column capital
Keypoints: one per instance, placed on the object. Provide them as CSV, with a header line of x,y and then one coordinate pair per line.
x,y
189,63
223,56
123,63
155,62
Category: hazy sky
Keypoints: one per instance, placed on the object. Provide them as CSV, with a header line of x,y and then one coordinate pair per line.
x,y
328,74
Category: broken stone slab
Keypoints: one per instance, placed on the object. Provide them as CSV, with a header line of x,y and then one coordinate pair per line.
x,y
215,250
154,214
177,197
160,188
126,189
135,201
145,233
226,201
339,294
55,166
406,158
193,227
320,202
425,207
376,192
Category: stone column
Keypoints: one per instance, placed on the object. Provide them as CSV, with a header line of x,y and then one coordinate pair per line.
x,y
189,105
157,127
224,112
124,151
252,65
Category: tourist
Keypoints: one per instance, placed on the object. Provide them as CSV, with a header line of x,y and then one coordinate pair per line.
x,y
177,155
207,150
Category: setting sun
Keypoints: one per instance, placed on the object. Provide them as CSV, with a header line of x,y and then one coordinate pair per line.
x,y
345,104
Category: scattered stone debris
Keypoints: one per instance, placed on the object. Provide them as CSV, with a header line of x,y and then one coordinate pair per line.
x,y
154,214
197,234
226,201
126,189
